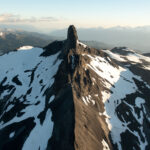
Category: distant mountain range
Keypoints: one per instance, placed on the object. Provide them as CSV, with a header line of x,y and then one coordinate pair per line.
x,y
11,39
98,45
137,38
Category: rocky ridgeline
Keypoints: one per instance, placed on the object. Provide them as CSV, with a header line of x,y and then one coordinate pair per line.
x,y
72,97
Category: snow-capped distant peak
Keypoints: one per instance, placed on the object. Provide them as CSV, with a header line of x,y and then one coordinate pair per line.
x,y
25,48
128,49
1,33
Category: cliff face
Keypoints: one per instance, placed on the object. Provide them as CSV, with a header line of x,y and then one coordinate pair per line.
x,y
69,96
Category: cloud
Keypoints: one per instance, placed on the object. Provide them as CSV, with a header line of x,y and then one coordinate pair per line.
x,y
11,18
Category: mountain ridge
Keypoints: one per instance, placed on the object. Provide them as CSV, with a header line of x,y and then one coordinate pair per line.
x,y
69,96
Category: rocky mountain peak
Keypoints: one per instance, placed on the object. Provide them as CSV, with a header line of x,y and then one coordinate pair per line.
x,y
72,37
74,96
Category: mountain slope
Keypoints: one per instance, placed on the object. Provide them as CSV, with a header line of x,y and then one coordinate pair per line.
x,y
22,90
68,96
13,39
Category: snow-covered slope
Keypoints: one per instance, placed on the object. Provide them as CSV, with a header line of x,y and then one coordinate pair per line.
x,y
122,89
129,56
68,96
24,77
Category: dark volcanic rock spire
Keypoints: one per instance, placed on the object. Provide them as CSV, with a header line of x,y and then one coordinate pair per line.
x,y
72,37
64,46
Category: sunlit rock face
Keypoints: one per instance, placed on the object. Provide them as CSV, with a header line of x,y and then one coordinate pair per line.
x,y
69,96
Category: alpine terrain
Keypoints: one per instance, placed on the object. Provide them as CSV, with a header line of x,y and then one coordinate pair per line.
x,y
68,96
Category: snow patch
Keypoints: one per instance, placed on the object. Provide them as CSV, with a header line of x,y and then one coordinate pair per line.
x,y
146,67
51,98
39,136
114,56
9,107
1,33
11,135
139,101
88,99
80,43
25,48
105,145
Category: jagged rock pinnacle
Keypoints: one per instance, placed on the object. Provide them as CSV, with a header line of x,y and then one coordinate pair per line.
x,y
72,37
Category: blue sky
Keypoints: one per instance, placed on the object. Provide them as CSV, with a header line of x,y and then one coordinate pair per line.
x,y
51,14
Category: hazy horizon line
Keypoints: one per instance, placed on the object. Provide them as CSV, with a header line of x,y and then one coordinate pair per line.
x,y
27,27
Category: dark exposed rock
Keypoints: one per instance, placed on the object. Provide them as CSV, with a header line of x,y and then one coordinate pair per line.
x,y
63,111
147,54
22,130
121,50
53,48
16,80
72,37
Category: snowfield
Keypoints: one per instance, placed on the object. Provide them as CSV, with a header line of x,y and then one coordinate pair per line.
x,y
121,82
28,75
132,57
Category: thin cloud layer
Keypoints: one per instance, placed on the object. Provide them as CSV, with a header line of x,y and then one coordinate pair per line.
x,y
11,18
